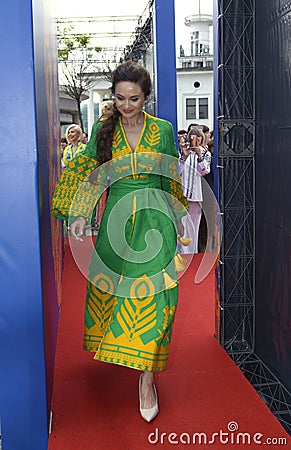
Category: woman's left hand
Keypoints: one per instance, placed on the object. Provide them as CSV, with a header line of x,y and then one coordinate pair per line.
x,y
77,228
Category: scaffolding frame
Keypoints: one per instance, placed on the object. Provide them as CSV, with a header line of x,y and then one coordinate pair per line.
x,y
236,180
236,125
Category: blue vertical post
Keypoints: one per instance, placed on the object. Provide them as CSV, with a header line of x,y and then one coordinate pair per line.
x,y
27,132
216,64
165,61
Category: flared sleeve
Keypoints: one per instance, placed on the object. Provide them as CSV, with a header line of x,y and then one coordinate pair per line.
x,y
74,195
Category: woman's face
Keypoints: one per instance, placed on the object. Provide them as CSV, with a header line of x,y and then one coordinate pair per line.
x,y
73,135
129,99
207,135
199,140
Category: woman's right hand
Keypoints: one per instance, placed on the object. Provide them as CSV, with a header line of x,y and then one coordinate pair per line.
x,y
186,150
77,228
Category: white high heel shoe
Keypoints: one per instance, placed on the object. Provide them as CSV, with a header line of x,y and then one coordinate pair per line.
x,y
148,414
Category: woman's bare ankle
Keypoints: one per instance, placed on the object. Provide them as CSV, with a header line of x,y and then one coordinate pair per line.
x,y
148,395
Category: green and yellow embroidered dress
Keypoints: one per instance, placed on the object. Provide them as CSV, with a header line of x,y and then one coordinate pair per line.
x,y
132,287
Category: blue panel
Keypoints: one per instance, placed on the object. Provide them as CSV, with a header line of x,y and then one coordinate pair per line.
x,y
48,140
165,61
23,402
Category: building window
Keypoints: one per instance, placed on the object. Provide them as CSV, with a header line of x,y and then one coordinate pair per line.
x,y
209,64
203,108
196,108
190,108
186,64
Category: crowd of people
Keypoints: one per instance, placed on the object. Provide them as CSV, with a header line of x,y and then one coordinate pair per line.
x,y
132,286
196,165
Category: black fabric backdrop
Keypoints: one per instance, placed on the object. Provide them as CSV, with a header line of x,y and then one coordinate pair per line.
x,y
273,186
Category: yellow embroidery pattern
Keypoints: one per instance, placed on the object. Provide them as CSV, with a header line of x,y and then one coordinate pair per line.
x,y
122,169
153,136
145,167
100,304
99,308
138,313
120,152
117,139
70,181
168,312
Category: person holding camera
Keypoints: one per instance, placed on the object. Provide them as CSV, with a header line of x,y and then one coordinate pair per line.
x,y
194,163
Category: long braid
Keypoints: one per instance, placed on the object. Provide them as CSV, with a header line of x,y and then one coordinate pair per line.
x,y
105,136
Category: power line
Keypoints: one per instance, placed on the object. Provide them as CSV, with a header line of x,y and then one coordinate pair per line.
x,y
98,19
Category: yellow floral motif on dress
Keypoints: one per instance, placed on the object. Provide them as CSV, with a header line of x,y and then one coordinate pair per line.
x,y
138,313
117,138
143,166
178,199
142,287
153,136
173,171
70,184
120,152
149,152
136,177
167,313
122,169
103,283
100,301
157,157
165,333
167,337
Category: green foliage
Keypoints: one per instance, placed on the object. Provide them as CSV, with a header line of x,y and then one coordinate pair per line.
x,y
77,63
70,44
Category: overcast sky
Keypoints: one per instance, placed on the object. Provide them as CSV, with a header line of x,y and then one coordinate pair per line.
x,y
91,8
115,7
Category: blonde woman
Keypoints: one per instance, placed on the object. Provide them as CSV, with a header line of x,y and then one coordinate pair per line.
x,y
74,136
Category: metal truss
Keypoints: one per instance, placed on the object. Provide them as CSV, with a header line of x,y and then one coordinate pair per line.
x,y
236,166
237,254
236,123
270,389
142,37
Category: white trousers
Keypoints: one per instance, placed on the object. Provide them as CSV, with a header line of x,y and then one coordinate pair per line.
x,y
191,224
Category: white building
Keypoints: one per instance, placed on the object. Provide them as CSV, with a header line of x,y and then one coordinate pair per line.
x,y
195,75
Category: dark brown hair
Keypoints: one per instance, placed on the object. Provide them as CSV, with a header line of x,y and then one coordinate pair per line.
x,y
126,71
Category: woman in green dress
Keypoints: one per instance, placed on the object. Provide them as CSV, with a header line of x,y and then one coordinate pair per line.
x,y
132,283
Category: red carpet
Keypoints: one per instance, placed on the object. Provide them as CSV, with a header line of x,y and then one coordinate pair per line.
x,y
95,405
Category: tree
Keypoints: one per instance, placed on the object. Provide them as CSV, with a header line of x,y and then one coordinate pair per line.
x,y
77,64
